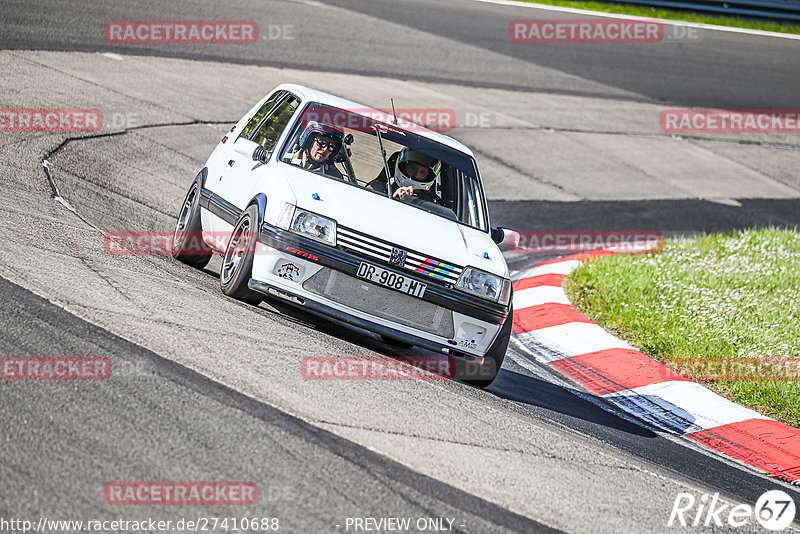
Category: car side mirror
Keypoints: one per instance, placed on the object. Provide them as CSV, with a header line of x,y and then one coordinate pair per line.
x,y
505,238
250,149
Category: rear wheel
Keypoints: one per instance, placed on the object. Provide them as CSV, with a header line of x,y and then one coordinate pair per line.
x,y
187,242
237,264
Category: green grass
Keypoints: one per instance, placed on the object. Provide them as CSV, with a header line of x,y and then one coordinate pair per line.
x,y
642,11
716,297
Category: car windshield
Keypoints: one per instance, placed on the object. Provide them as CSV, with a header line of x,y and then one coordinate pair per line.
x,y
344,145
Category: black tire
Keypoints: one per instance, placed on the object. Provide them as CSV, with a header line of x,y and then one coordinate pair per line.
x,y
493,359
187,241
237,263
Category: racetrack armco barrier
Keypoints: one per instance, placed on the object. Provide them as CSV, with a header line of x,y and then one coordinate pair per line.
x,y
130,32
55,368
585,31
570,241
213,493
687,121
768,10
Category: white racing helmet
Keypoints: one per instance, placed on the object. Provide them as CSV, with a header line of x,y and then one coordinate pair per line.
x,y
408,155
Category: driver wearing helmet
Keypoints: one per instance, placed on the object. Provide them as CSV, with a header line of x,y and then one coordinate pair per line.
x,y
414,174
319,145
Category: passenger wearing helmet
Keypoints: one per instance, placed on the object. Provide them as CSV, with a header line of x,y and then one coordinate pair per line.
x,y
414,174
319,144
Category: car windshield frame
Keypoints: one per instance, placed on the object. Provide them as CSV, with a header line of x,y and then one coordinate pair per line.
x,y
459,161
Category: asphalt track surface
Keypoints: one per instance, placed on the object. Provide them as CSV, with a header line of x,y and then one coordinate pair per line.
x,y
466,43
388,38
164,416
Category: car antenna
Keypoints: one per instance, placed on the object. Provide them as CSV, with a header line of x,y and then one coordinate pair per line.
x,y
377,128
393,111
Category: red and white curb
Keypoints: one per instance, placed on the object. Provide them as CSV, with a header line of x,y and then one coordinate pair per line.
x,y
558,335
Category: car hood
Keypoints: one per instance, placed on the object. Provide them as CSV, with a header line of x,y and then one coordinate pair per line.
x,y
395,221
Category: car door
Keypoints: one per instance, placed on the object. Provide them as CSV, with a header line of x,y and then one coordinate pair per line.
x,y
237,182
224,159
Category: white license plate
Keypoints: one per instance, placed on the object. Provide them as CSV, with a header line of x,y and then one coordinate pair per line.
x,y
380,276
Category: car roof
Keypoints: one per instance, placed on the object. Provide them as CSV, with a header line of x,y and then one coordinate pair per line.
x,y
322,97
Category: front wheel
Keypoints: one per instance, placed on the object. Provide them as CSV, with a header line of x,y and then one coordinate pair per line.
x,y
493,359
237,264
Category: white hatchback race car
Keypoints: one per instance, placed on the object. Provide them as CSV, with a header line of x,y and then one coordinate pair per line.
x,y
358,216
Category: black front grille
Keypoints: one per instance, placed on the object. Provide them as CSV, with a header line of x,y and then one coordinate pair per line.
x,y
371,247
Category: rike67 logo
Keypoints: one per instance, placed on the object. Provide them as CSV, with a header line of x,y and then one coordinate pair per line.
x,y
774,510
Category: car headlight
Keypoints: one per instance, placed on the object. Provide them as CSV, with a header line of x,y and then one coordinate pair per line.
x,y
314,226
484,285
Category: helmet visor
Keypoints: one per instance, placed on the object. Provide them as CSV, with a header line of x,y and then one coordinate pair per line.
x,y
418,166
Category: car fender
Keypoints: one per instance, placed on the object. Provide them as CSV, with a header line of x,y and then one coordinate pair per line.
x,y
205,215
201,176
259,200
277,191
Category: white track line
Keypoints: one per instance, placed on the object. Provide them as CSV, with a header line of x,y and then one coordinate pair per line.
x,y
694,402
571,339
560,267
533,296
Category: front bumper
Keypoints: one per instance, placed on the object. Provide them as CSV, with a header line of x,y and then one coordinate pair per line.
x,y
467,325
326,311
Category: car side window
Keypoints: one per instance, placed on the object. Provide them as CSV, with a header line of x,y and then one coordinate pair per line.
x,y
256,119
271,128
